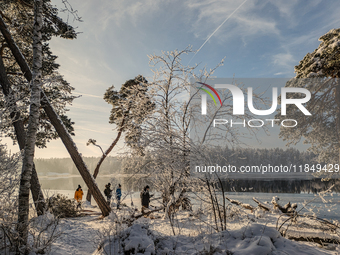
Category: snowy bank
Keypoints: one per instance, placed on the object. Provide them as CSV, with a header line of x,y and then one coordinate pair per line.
x,y
254,239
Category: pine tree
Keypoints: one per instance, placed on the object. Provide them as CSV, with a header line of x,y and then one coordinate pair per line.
x,y
18,15
319,72
16,92
130,106
57,122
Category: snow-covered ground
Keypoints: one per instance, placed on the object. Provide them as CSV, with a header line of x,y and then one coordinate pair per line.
x,y
79,236
247,233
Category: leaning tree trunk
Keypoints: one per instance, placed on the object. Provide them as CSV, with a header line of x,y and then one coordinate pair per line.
x,y
96,171
27,165
77,159
58,125
38,196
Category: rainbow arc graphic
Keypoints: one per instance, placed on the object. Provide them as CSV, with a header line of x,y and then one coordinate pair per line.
x,y
204,96
209,93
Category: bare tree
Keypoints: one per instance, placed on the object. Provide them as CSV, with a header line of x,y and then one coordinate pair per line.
x,y
169,135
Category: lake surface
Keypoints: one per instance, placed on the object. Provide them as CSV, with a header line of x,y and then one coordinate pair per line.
x,y
329,209
307,191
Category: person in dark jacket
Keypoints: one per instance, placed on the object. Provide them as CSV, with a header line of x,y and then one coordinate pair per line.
x,y
108,193
145,198
118,195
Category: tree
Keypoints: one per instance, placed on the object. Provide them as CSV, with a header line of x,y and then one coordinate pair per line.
x,y
130,106
168,129
20,132
166,133
319,72
27,165
19,15
58,124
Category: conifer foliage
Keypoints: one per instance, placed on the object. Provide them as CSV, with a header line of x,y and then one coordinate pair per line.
x,y
319,72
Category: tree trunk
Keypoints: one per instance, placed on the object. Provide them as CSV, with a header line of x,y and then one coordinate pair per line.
x,y
96,171
38,196
58,125
77,159
27,165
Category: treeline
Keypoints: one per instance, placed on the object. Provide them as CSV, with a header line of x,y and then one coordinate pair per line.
x,y
255,156
65,165
280,185
222,156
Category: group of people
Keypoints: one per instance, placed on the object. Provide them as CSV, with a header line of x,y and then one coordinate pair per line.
x,y
144,196
108,194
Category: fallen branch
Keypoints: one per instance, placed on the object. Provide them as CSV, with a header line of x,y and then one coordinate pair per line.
x,y
146,213
293,216
261,205
318,240
245,206
287,208
133,217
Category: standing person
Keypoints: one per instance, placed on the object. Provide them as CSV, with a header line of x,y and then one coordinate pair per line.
x,y
118,195
145,198
108,193
78,196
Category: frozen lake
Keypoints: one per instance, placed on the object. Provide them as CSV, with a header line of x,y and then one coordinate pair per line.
x,y
67,184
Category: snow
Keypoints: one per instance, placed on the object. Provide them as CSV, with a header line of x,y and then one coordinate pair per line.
x,y
254,239
79,236
247,234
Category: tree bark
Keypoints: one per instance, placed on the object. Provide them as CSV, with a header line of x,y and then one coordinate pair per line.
x,y
96,171
27,165
58,125
37,194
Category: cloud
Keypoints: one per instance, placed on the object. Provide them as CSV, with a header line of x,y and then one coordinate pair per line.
x,y
127,11
244,23
283,60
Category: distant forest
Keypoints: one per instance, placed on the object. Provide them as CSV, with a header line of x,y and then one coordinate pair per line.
x,y
222,156
250,156
110,165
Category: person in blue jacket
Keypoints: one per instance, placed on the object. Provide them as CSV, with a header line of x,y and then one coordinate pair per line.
x,y
118,195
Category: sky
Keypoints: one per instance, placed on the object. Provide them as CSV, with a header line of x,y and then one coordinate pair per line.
x,y
258,38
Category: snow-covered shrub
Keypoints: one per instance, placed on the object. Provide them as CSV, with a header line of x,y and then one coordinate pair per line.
x,y
137,239
252,239
9,179
42,229
62,207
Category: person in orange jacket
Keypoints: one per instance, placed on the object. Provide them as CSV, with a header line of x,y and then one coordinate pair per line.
x,y
78,196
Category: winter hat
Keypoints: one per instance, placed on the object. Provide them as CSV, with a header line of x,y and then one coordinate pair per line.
x,y
146,187
119,185
109,184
